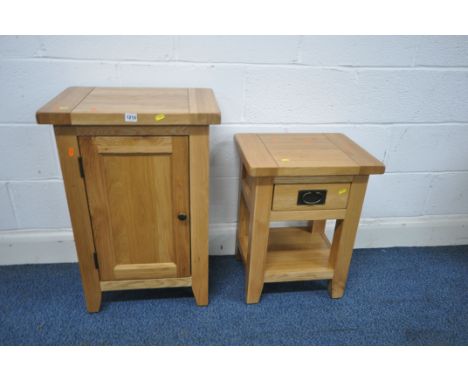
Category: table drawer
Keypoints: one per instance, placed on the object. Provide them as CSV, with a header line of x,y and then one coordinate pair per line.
x,y
316,196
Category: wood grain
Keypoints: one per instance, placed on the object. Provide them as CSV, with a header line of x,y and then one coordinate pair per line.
x,y
259,223
285,196
202,103
318,226
243,219
297,155
312,179
307,215
344,237
181,204
142,150
295,254
81,223
146,284
134,202
367,163
119,130
242,234
133,145
245,190
57,111
199,212
287,164
144,271
149,106
255,155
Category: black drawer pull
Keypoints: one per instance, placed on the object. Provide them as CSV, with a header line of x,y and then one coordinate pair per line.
x,y
311,197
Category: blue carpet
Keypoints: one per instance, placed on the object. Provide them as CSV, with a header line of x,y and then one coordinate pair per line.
x,y
397,296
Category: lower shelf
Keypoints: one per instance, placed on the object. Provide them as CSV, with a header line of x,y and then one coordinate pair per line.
x,y
295,254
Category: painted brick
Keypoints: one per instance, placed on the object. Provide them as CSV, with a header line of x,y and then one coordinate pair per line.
x,y
27,85
152,48
7,215
224,194
40,204
358,50
28,152
392,195
375,107
448,194
226,82
384,51
279,95
246,49
20,46
428,148
442,51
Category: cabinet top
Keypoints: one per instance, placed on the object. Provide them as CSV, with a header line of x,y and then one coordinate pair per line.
x,y
131,106
305,155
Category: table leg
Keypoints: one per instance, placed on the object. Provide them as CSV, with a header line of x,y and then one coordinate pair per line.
x,y
242,229
259,226
317,226
242,220
344,237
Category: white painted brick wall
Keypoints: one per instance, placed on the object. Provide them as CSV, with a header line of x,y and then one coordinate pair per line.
x,y
322,95
28,152
427,147
7,215
39,204
403,98
139,48
239,49
359,50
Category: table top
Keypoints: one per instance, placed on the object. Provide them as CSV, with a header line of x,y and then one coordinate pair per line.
x,y
305,155
131,106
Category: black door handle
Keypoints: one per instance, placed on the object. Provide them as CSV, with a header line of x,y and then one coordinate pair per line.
x,y
181,216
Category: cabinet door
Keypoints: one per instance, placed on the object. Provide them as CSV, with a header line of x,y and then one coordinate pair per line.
x,y
137,187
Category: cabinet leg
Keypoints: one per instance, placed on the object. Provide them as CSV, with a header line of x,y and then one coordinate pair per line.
x,y
93,296
199,204
237,253
200,292
81,222
344,237
259,226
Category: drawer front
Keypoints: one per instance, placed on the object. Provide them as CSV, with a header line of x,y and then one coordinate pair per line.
x,y
316,196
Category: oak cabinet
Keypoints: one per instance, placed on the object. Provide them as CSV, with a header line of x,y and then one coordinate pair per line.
x,y
135,164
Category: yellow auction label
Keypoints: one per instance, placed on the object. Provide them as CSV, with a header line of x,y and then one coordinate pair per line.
x,y
159,117
342,191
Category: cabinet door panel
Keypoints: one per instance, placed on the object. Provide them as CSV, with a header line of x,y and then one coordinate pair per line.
x,y
136,188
